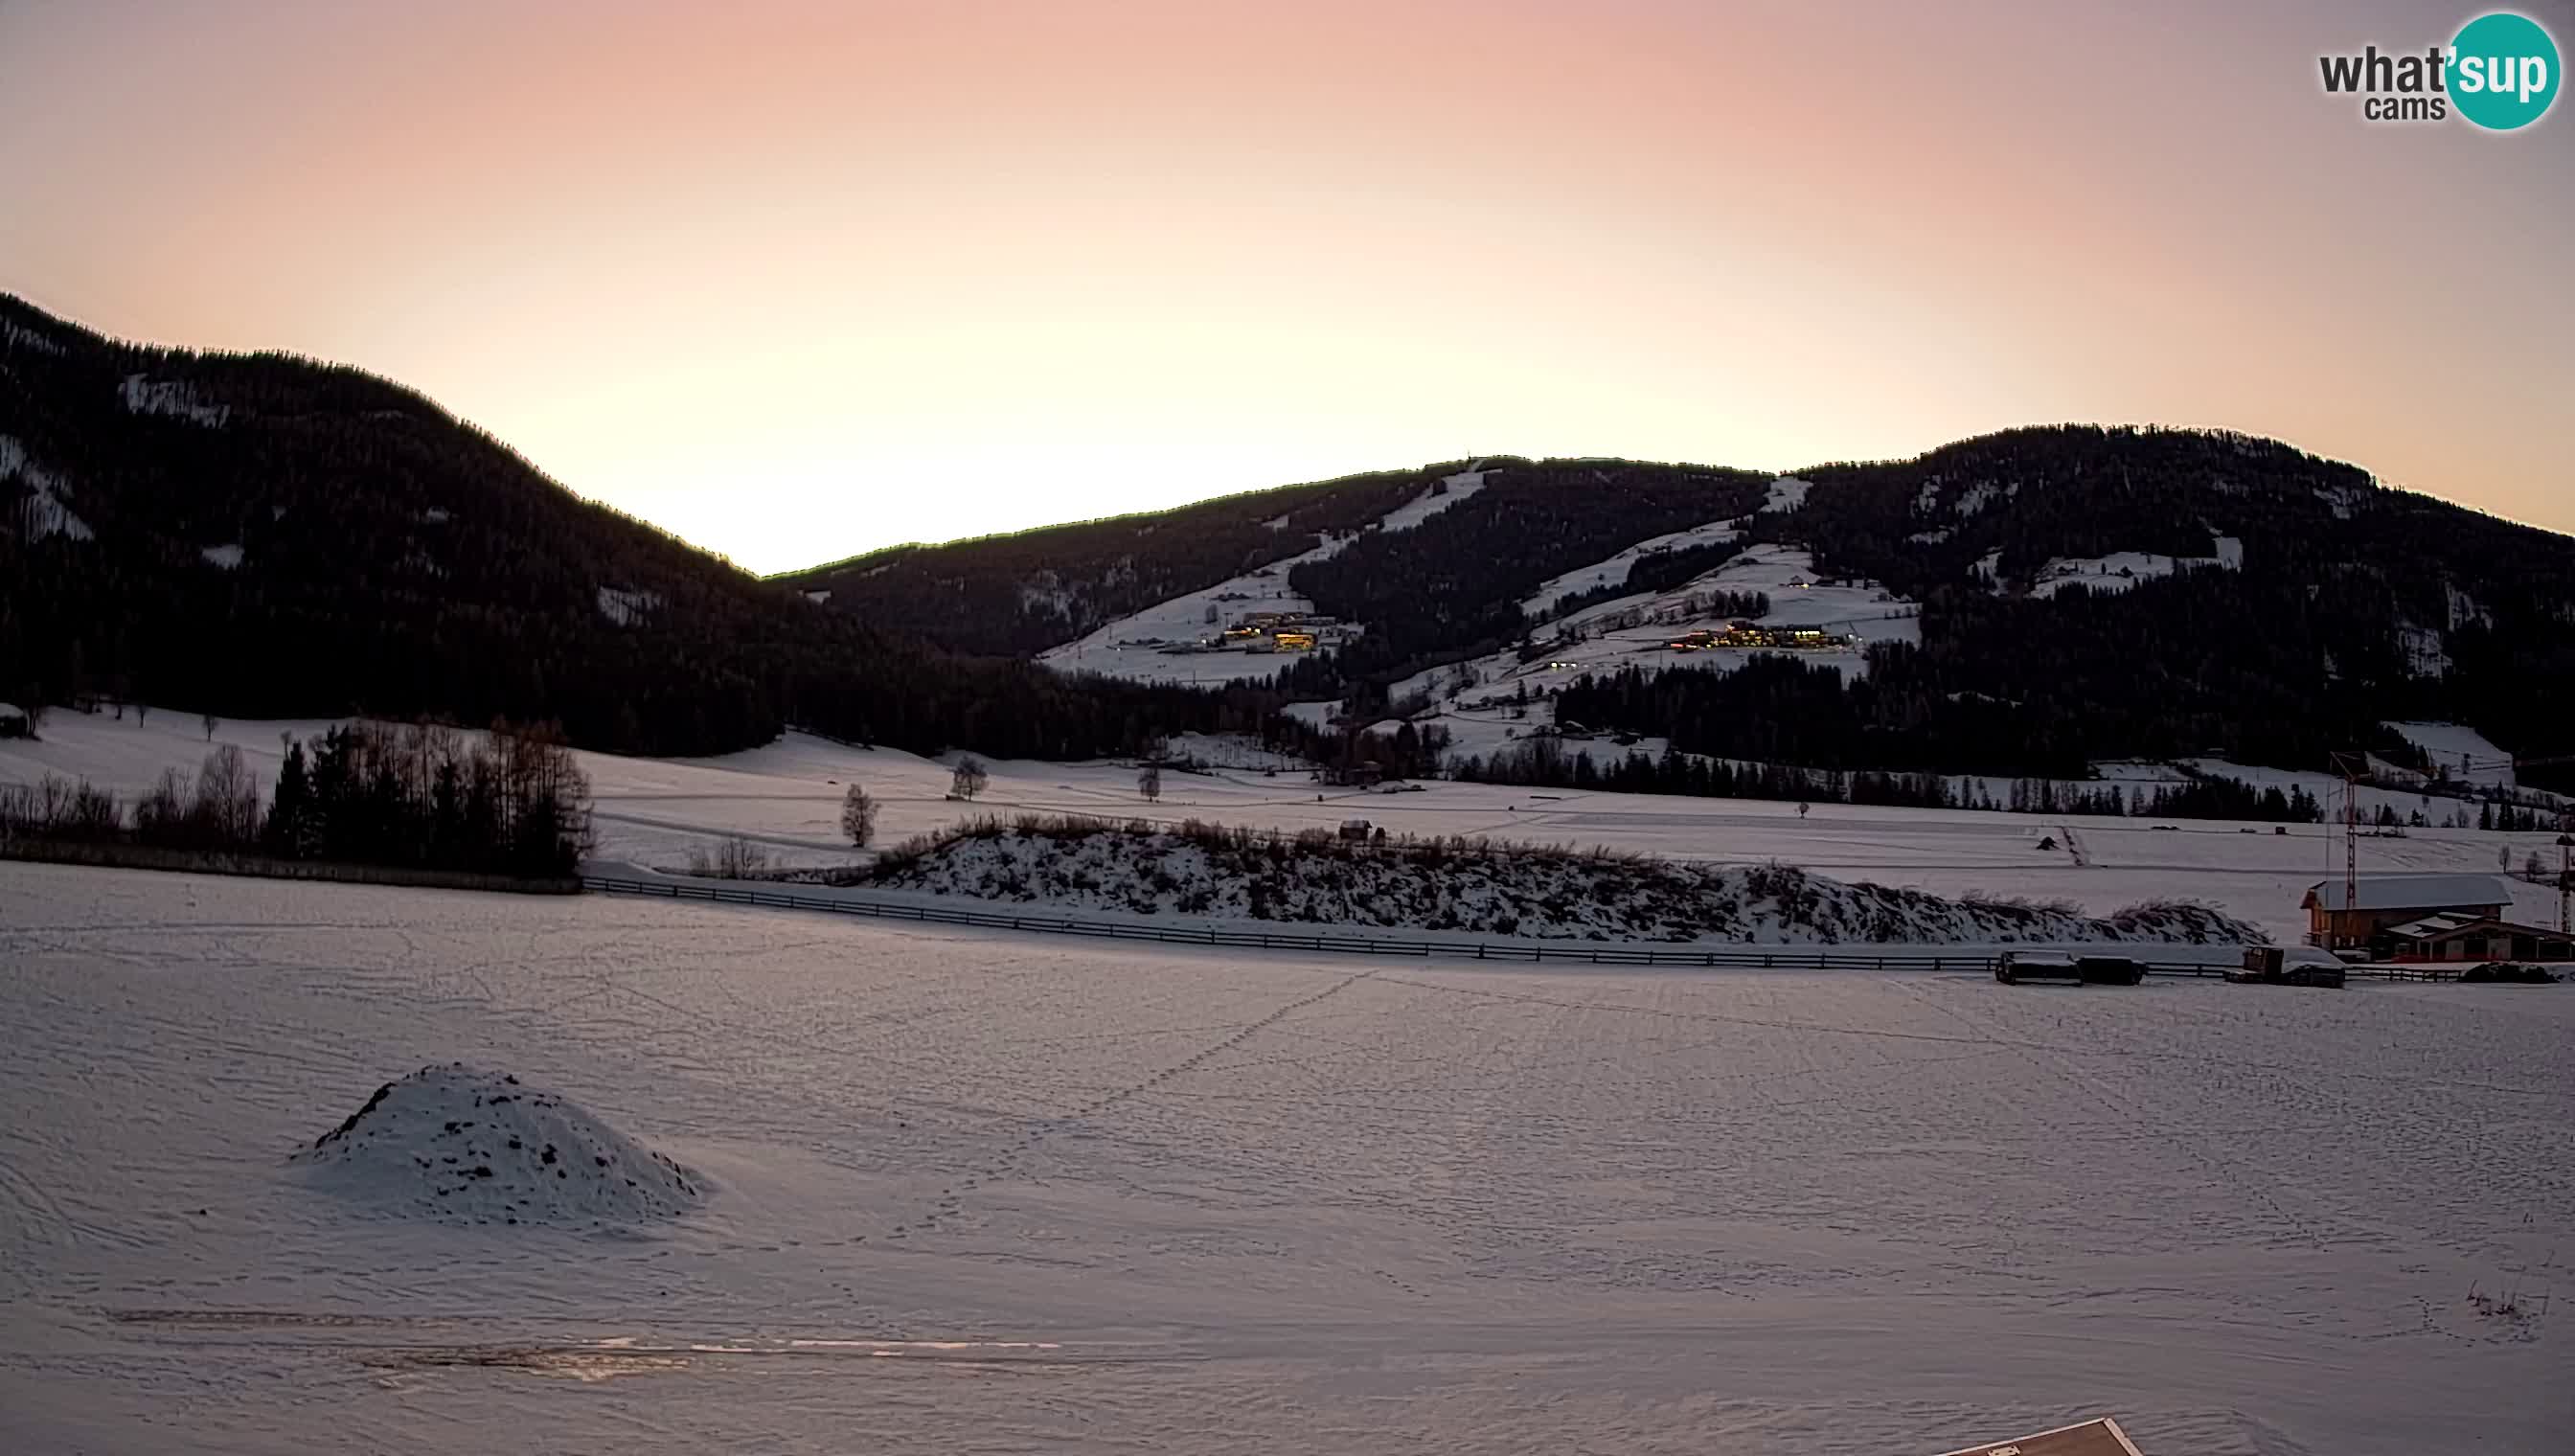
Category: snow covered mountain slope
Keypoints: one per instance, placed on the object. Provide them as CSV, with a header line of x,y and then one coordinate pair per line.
x,y
1614,571
2461,753
1141,646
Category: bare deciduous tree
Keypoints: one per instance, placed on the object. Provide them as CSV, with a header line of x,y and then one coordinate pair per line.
x,y
1149,782
211,722
858,816
227,805
970,778
735,858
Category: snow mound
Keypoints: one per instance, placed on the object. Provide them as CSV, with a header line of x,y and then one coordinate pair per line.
x,y
464,1145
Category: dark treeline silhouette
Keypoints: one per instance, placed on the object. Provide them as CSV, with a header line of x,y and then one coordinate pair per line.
x,y
2308,649
268,536
511,802
1547,760
1406,750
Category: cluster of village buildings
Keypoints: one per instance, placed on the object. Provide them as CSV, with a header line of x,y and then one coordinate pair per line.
x,y
1740,634
1268,632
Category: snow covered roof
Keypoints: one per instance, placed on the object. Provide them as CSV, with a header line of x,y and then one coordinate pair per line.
x,y
2436,925
2410,892
2432,927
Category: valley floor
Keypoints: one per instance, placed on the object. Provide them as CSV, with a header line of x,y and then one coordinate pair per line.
x,y
786,798
991,1193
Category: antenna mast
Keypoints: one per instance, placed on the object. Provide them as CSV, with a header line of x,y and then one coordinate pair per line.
x,y
2351,766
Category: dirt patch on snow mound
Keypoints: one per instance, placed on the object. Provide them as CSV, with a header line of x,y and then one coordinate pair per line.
x,y
464,1145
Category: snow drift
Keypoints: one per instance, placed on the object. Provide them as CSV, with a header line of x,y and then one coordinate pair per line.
x,y
1484,887
460,1144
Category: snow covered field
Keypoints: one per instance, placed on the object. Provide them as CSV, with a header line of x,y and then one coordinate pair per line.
x,y
787,798
2120,571
967,1192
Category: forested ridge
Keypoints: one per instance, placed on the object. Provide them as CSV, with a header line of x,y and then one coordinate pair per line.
x,y
1027,590
2355,605
265,536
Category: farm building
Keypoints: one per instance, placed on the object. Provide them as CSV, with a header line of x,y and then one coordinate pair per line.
x,y
2376,902
2456,937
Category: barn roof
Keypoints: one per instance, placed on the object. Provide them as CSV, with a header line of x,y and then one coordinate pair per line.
x,y
2436,927
2410,892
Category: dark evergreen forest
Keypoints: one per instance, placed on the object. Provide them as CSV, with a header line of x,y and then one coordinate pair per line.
x,y
395,560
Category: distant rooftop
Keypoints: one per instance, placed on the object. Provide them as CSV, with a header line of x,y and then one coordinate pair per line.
x,y
2410,892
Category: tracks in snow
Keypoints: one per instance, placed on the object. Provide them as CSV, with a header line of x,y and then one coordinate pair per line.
x,y
1013,1158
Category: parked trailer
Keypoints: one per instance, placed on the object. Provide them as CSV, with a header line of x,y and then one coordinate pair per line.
x,y
2267,965
2110,971
2015,966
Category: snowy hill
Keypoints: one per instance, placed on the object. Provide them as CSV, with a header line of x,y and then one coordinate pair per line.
x,y
1614,571
2243,601
1181,639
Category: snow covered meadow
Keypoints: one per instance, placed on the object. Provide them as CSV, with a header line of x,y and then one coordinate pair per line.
x,y
952,1190
786,799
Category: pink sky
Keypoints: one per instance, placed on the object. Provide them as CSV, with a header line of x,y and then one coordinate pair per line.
x,y
798,280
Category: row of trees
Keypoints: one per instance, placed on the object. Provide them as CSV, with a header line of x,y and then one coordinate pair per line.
x,y
511,802
1544,761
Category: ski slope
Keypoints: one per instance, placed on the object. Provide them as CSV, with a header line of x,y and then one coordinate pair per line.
x,y
2462,752
1614,569
969,1191
1134,645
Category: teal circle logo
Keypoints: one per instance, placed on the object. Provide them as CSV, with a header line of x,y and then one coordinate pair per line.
x,y
2503,71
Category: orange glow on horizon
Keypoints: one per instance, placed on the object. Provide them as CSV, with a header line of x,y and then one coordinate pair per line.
x,y
800,280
